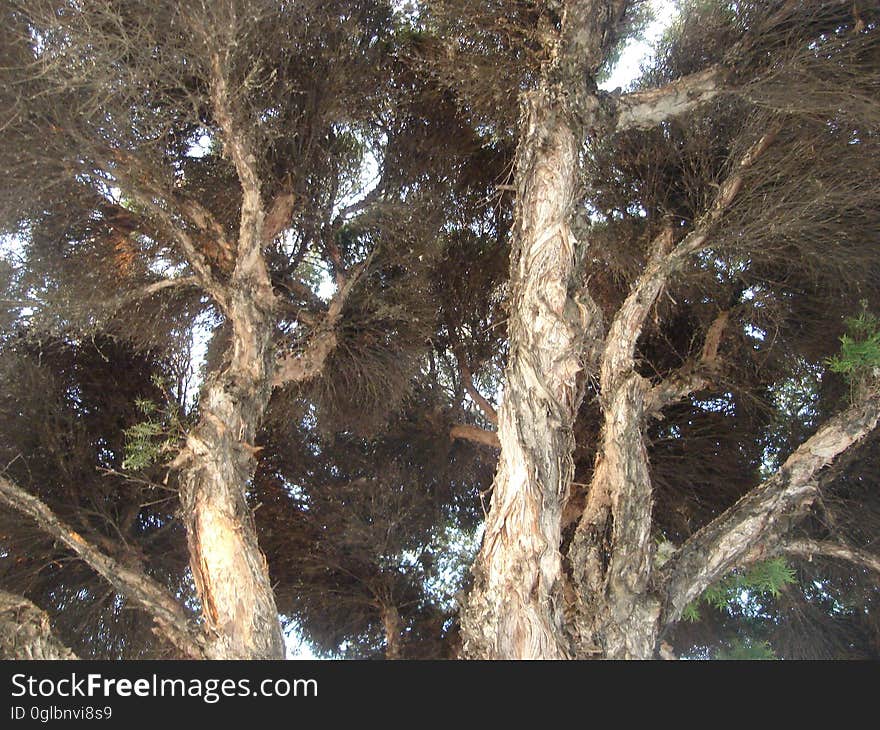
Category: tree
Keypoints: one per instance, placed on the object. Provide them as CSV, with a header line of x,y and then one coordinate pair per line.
x,y
619,602
682,257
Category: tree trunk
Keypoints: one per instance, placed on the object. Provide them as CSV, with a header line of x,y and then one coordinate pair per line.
x,y
515,607
230,571
393,638
611,553
25,632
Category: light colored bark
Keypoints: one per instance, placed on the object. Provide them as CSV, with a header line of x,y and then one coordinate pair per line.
x,y
475,434
393,632
646,109
515,607
805,548
217,463
611,554
467,380
26,633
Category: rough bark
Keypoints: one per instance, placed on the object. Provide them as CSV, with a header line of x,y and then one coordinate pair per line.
x,y
475,434
25,631
611,553
230,572
393,636
515,607
805,548
646,109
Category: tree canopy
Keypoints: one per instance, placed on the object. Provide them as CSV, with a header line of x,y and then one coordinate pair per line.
x,y
384,324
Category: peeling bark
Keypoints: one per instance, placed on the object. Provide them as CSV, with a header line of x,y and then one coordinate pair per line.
x,y
646,109
475,434
515,607
229,570
26,633
611,554
808,548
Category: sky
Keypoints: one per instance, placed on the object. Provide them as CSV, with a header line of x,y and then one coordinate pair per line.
x,y
639,51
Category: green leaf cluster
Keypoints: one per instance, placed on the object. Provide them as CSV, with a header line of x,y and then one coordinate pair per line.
x,y
765,578
149,441
859,358
740,650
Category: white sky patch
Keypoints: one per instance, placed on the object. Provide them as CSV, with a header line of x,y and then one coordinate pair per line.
x,y
201,147
639,51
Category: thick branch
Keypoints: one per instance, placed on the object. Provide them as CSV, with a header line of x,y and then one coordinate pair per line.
x,y
761,516
620,343
467,380
149,290
250,263
194,257
647,109
25,631
808,548
137,586
475,434
278,216
627,325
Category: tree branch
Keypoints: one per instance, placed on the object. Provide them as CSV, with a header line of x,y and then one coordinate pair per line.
x,y
630,318
148,290
647,109
278,216
808,548
235,145
475,434
467,380
194,257
25,631
307,363
137,586
748,529
691,377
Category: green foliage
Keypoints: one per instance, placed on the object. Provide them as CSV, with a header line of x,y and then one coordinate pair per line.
x,y
740,650
859,357
765,578
691,612
148,442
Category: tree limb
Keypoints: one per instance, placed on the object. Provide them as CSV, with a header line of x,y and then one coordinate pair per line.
x,y
647,109
25,631
691,377
249,262
663,261
475,434
467,380
749,528
307,363
808,548
191,253
137,586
